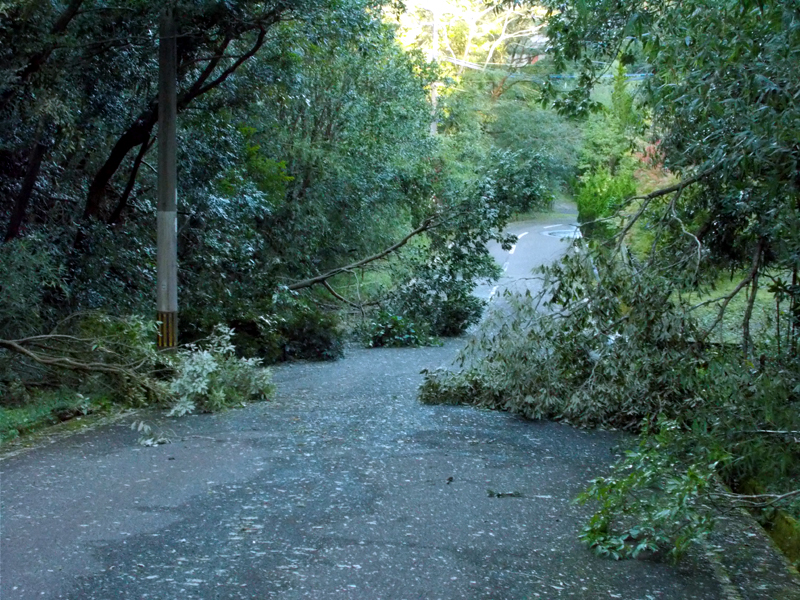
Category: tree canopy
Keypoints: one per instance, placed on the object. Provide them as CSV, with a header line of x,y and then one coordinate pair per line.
x,y
304,157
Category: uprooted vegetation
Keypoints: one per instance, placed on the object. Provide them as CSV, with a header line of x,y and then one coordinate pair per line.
x,y
92,362
609,343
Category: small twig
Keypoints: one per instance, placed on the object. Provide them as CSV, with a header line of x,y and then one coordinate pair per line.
x,y
758,500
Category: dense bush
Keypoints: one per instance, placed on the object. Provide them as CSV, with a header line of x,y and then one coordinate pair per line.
x,y
518,180
391,331
445,305
599,194
289,326
209,376
306,331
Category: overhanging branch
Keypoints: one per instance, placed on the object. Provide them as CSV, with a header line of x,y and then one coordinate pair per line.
x,y
646,199
427,225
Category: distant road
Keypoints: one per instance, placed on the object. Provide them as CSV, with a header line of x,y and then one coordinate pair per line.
x,y
540,242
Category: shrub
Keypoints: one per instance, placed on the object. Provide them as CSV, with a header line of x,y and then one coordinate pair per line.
x,y
288,326
443,304
306,331
599,193
518,180
210,377
391,331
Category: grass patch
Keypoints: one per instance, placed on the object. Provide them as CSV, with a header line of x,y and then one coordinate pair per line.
x,y
785,530
44,410
729,330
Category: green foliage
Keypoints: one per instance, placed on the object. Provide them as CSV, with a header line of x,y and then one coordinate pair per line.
x,y
528,128
286,168
130,338
22,413
723,95
29,277
445,305
391,331
518,180
506,136
600,194
611,342
289,326
468,386
622,353
119,355
624,115
210,377
654,498
604,145
302,330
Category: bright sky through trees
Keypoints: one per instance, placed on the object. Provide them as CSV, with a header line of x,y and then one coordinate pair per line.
x,y
470,33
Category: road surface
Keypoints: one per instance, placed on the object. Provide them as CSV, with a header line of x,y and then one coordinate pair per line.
x,y
341,487
540,241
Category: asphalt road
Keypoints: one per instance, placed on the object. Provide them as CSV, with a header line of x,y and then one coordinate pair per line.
x,y
343,486
540,241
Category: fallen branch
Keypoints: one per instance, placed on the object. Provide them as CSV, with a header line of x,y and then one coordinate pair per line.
x,y
742,284
427,225
789,433
69,357
758,500
66,363
678,187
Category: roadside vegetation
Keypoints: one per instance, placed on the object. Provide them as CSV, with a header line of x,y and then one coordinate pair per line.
x,y
342,166
677,315
315,206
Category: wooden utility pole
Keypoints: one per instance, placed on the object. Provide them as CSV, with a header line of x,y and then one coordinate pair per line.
x,y
167,256
435,58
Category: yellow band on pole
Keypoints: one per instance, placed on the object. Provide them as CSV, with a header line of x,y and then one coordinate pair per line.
x,y
167,329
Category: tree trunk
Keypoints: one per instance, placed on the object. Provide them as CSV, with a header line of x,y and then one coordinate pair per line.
x,y
116,216
136,135
28,184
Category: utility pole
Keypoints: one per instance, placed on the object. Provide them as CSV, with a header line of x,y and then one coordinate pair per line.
x,y
435,58
167,223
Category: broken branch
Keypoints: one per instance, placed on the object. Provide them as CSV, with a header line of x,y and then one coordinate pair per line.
x,y
427,225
